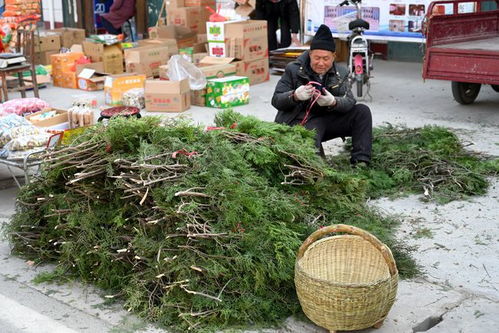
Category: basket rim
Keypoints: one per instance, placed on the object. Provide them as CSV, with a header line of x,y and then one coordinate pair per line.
x,y
299,269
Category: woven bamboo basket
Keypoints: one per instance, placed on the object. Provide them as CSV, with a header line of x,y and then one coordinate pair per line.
x,y
345,282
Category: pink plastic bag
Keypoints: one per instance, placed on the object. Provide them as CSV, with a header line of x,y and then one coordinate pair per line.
x,y
22,106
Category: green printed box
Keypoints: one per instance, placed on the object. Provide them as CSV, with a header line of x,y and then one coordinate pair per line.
x,y
227,91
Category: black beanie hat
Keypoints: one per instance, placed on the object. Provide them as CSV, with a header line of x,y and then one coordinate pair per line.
x,y
323,39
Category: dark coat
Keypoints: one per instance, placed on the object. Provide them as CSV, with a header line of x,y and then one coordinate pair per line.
x,y
120,12
300,73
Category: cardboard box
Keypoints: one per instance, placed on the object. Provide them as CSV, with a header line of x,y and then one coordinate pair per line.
x,y
60,117
171,44
244,40
110,55
212,68
198,97
40,79
167,96
227,92
190,51
47,41
193,18
91,80
202,38
70,36
246,9
219,49
146,60
174,4
248,39
215,31
163,70
62,61
200,3
65,80
116,85
43,58
97,66
197,57
256,70
184,36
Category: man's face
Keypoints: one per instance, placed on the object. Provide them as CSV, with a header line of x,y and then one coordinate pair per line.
x,y
321,61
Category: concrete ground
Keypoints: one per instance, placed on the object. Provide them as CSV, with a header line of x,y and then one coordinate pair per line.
x,y
459,292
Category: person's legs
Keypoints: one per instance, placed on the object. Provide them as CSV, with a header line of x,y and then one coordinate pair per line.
x,y
109,27
362,134
272,26
356,123
285,33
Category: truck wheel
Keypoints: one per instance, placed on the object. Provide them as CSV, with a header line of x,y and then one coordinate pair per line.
x,y
465,92
495,87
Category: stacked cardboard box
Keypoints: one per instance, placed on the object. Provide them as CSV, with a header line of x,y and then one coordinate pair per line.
x,y
227,92
167,96
110,55
63,71
46,44
171,43
91,77
146,59
212,68
70,36
116,85
191,14
183,36
51,41
245,41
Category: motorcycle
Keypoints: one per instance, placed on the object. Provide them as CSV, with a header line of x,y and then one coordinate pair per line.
x,y
359,60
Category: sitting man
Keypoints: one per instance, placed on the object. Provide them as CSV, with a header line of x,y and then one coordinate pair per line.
x,y
315,92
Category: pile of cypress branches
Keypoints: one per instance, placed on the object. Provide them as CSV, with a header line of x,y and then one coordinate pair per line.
x,y
194,229
429,160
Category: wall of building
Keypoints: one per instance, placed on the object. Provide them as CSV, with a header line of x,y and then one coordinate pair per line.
x,y
57,12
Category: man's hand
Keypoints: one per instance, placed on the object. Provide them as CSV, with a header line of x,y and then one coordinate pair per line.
x,y
327,99
294,40
303,93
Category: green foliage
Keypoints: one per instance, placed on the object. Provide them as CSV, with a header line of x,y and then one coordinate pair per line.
x,y
428,160
199,229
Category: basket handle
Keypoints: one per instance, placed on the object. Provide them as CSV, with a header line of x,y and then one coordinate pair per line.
x,y
385,251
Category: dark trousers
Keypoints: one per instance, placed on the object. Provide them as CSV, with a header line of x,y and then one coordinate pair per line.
x,y
274,21
356,123
109,27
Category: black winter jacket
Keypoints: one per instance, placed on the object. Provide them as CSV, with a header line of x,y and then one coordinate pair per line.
x,y
300,73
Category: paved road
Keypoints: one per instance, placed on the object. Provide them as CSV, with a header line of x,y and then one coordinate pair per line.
x,y
460,286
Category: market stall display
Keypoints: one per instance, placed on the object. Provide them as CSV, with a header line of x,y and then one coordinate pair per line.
x,y
82,113
134,97
18,13
21,143
22,106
